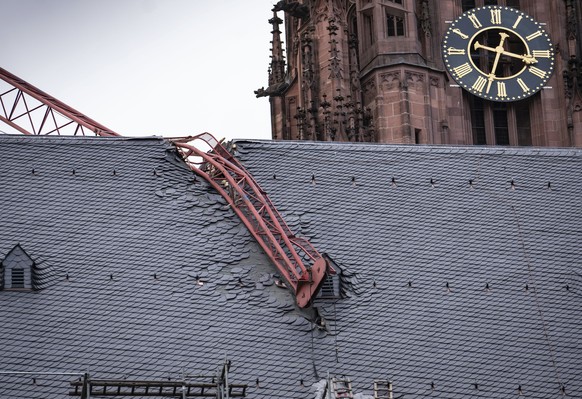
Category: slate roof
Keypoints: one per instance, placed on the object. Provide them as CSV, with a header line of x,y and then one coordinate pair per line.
x,y
406,241
131,231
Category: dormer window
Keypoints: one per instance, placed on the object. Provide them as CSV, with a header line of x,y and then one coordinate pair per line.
x,y
16,270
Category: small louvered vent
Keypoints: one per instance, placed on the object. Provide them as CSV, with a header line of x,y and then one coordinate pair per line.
x,y
327,289
17,278
331,286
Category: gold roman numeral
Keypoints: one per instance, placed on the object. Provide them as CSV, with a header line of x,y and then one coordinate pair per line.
x,y
496,17
458,32
522,85
479,84
541,53
501,91
534,35
455,51
462,70
475,21
538,72
517,21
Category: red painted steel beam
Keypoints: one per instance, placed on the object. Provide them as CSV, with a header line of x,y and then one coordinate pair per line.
x,y
32,111
298,261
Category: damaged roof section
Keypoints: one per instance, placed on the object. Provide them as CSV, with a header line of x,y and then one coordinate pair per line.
x,y
153,275
458,268
465,262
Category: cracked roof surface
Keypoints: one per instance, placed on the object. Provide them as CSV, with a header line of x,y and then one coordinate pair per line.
x,y
469,282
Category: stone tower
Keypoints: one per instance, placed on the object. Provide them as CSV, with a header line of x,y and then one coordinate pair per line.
x,y
372,70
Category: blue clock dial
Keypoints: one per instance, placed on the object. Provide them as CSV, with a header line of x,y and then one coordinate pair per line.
x,y
498,53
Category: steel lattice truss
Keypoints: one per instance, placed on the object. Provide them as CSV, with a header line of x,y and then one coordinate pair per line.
x,y
32,111
298,261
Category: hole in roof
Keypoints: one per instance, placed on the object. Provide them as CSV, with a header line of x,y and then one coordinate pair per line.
x,y
279,283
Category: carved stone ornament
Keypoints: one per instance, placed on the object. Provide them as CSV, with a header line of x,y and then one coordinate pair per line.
x,y
425,24
390,80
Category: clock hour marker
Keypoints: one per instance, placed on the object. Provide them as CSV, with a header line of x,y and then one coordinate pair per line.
x,y
455,51
538,72
541,53
479,84
534,35
462,70
522,85
458,32
475,21
517,22
496,17
501,92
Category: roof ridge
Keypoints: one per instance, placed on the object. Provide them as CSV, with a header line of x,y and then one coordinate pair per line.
x,y
415,148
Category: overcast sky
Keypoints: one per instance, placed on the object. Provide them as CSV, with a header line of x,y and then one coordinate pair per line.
x,y
146,67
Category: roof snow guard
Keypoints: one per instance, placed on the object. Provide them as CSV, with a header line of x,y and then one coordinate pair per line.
x,y
299,262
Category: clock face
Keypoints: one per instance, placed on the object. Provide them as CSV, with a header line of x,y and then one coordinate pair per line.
x,y
498,53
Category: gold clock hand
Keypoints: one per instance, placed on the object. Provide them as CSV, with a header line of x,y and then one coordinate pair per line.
x,y
527,58
478,45
499,50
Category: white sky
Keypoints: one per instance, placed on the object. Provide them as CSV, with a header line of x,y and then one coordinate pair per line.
x,y
146,67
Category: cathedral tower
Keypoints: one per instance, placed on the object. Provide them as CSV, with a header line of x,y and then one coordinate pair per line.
x,y
374,70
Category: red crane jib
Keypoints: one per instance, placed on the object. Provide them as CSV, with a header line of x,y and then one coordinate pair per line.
x,y
288,252
32,111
